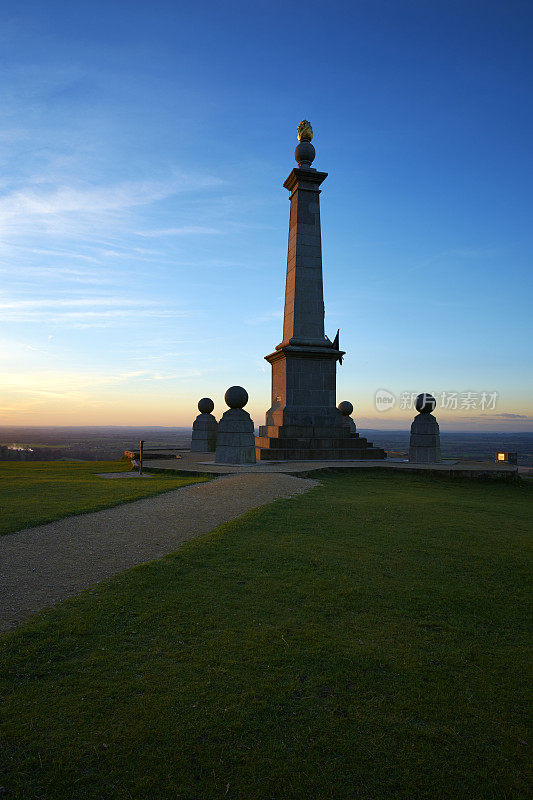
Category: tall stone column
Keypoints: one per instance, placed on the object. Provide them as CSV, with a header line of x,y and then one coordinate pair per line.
x,y
304,364
303,420
303,320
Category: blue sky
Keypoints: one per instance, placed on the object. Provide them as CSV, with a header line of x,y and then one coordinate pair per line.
x,y
143,223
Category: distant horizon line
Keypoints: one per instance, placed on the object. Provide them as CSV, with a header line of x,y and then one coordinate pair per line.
x,y
189,427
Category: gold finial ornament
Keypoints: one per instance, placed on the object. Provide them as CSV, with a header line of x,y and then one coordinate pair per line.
x,y
304,131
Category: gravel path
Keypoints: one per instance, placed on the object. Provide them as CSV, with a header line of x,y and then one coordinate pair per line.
x,y
40,566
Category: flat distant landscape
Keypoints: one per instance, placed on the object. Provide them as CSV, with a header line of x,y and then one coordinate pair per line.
x,y
87,443
463,445
101,443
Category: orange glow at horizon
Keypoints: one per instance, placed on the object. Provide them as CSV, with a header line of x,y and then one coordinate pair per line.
x,y
86,400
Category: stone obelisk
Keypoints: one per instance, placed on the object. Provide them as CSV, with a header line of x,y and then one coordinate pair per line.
x,y
303,421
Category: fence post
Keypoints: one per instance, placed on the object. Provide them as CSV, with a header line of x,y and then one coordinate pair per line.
x,y
141,445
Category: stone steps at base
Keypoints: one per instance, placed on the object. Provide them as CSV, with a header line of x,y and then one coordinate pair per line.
x,y
310,454
348,442
301,431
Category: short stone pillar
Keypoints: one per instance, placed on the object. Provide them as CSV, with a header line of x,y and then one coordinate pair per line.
x,y
235,439
204,428
424,444
346,408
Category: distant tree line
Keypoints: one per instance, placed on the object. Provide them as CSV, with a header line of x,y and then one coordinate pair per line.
x,y
37,453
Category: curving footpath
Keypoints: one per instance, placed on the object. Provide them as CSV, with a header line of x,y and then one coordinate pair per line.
x,y
43,565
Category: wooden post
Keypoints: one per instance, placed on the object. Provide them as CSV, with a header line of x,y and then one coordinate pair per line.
x,y
141,445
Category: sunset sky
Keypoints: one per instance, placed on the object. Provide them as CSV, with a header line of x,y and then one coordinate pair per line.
x,y
143,222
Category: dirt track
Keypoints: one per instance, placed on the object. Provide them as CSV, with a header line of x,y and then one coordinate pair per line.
x,y
40,566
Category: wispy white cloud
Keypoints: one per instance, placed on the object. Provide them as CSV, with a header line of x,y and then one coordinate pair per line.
x,y
92,319
269,316
65,199
184,230
54,205
512,416
64,275
85,312
74,384
481,419
71,302
454,254
21,354
71,254
63,195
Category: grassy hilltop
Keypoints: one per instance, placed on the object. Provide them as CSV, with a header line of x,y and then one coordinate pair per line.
x,y
365,640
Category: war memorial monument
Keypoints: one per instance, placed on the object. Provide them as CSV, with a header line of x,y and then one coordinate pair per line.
x,y
303,421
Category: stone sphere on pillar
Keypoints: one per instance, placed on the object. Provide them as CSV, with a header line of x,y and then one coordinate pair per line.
x,y
425,403
205,405
304,154
346,408
236,397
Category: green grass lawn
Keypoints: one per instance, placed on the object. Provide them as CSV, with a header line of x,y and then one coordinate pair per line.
x,y
34,492
365,640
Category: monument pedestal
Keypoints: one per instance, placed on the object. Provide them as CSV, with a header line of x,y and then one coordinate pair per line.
x,y
204,434
424,444
235,439
204,428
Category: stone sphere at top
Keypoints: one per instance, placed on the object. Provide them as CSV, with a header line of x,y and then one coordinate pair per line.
x,y
205,405
305,153
236,397
345,408
425,403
